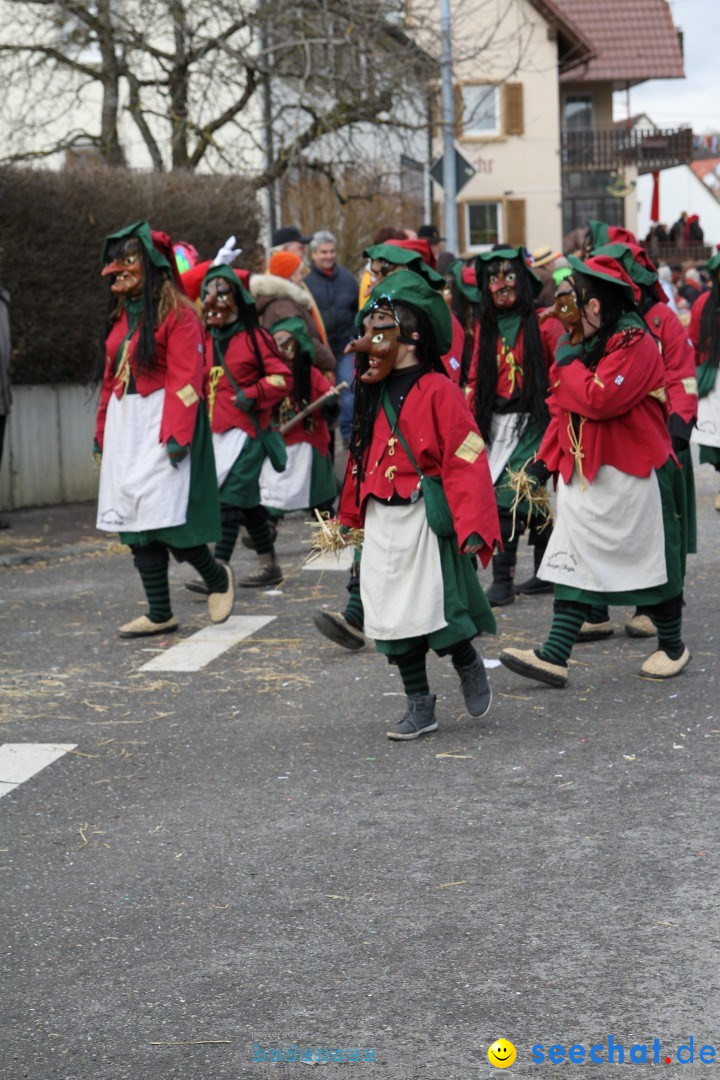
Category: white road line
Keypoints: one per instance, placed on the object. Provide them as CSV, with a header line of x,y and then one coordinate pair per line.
x,y
198,650
330,561
20,761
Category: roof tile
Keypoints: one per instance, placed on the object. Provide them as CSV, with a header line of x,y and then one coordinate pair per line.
x,y
635,40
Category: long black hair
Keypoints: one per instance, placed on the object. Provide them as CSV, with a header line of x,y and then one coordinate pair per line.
x,y
367,398
534,388
710,324
614,303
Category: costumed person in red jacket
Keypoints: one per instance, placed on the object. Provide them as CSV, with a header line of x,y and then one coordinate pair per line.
x,y
705,334
244,377
620,533
507,388
308,480
678,356
157,475
419,485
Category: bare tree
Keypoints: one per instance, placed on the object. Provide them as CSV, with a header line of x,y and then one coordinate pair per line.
x,y
225,84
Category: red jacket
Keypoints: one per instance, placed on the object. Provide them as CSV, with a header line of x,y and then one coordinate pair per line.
x,y
314,429
510,362
437,425
694,328
619,409
178,369
678,355
452,360
241,362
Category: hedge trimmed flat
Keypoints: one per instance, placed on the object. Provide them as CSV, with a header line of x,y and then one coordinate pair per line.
x,y
527,662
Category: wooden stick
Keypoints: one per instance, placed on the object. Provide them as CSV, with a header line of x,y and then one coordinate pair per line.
x,y
333,392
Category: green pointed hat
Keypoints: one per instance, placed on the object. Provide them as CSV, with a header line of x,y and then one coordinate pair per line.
x,y
227,272
299,331
640,272
143,232
411,260
409,288
713,263
508,253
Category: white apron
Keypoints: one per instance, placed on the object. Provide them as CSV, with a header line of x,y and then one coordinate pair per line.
x,y
227,447
288,490
505,432
610,537
707,430
401,583
139,488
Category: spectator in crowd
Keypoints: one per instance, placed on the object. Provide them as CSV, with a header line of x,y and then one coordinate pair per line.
x,y
666,280
431,233
693,233
544,261
692,286
5,390
336,294
678,229
289,238
380,236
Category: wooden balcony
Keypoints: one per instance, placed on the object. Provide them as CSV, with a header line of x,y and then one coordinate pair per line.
x,y
616,148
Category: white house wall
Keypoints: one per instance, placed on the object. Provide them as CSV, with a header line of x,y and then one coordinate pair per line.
x,y
680,190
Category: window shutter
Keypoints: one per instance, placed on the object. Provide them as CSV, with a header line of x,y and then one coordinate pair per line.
x,y
513,108
462,237
515,222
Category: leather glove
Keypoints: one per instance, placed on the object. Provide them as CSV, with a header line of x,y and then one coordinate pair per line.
x,y
176,452
679,431
228,253
242,401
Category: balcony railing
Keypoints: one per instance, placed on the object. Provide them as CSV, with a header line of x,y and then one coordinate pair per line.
x,y
616,148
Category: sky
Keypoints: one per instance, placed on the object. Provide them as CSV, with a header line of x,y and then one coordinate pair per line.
x,y
694,100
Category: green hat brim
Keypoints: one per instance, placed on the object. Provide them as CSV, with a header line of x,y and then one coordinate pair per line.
x,y
408,288
228,274
411,260
713,263
509,253
470,292
143,232
299,331
583,268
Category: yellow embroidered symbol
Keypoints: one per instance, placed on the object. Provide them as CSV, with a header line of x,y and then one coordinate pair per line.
x,y
690,386
391,445
471,447
390,472
188,395
277,380
659,394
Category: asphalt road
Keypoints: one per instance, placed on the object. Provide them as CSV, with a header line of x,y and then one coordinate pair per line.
x,y
237,858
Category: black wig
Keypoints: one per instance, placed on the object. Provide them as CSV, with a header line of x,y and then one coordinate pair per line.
x,y
709,344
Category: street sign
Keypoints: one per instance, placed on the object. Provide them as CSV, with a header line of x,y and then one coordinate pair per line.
x,y
464,171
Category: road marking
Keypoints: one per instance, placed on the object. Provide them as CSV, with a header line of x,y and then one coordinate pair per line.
x,y
200,649
330,561
20,761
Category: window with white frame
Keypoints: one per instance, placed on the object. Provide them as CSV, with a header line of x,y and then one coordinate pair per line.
x,y
480,109
482,224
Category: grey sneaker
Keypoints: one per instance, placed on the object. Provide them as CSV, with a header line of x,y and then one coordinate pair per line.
x,y
475,688
419,718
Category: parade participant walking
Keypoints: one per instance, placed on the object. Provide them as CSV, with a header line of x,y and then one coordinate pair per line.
x,y
678,356
507,388
308,480
620,533
419,484
157,484
245,378
705,334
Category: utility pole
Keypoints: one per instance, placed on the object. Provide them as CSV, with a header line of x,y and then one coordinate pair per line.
x,y
448,128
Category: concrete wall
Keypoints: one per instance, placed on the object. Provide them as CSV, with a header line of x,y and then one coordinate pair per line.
x,y
47,456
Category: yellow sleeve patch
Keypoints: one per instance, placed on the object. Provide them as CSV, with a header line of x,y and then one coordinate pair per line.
x,y
600,383
277,380
659,393
471,447
188,395
690,386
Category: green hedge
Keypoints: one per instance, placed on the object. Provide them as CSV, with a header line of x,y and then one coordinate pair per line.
x,y
52,226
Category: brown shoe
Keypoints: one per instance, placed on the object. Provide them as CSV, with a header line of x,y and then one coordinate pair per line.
x,y
269,574
144,627
662,666
334,626
527,662
220,604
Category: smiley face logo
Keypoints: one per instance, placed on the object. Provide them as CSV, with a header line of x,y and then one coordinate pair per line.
x,y
501,1054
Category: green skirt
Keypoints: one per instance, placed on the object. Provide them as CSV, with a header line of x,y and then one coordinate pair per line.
x,y
686,463
527,447
675,529
202,523
323,484
241,486
709,455
467,611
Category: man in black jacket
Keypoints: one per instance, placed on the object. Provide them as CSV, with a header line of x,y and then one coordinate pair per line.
x,y
336,295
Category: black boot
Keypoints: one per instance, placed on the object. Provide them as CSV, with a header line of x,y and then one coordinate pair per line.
x,y
534,586
502,592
